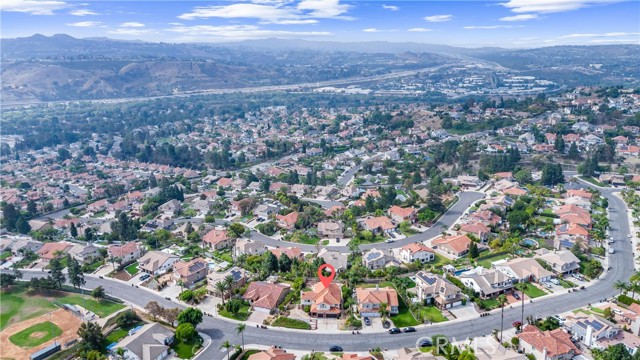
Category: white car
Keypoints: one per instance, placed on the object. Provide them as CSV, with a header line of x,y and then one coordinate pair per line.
x,y
617,311
629,236
560,319
611,251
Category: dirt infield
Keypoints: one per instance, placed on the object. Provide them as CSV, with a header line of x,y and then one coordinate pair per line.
x,y
65,320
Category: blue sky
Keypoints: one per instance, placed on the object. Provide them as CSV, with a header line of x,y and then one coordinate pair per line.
x,y
506,23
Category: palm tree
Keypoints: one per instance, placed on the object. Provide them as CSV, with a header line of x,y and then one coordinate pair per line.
x,y
634,281
221,287
521,287
383,310
502,299
622,286
228,282
226,345
240,330
120,352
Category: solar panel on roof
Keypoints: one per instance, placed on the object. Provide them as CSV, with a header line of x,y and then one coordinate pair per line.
x,y
597,325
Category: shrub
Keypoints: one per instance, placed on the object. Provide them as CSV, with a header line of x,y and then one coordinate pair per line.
x,y
186,295
186,332
627,300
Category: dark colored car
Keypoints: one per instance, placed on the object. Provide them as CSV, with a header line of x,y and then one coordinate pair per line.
x,y
367,321
386,324
515,295
425,343
394,331
335,348
409,330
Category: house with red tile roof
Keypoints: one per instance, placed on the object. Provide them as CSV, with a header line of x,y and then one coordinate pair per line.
x,y
265,297
486,217
127,252
287,221
323,301
416,252
190,272
399,214
272,353
477,229
224,182
579,193
50,250
292,252
548,345
217,239
571,230
453,245
378,225
369,300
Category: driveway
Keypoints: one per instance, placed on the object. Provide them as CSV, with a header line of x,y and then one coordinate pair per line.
x,y
257,317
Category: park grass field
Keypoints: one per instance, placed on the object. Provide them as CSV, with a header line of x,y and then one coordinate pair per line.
x,y
17,306
36,335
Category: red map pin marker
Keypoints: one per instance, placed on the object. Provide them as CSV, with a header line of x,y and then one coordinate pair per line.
x,y
326,280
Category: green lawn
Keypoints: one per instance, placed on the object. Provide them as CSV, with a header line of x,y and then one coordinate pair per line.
x,y
597,310
486,263
308,240
533,291
36,335
440,261
488,303
593,181
224,255
248,353
404,318
432,314
101,308
566,284
185,350
5,255
291,323
16,306
115,336
242,315
132,269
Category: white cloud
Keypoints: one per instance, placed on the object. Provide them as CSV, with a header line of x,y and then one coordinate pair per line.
x,y
238,32
85,24
419,29
390,7
491,27
372,30
82,12
131,31
274,12
438,18
622,41
132,24
33,7
609,34
521,17
551,6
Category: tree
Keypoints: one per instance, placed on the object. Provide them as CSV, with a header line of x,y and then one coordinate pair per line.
x,y
226,345
608,314
32,208
154,309
7,279
190,315
127,319
98,293
56,272
73,231
473,250
573,151
383,310
236,230
522,287
502,299
74,270
240,331
559,144
552,174
615,352
221,287
91,336
171,315
523,177
186,332
95,355
621,286
22,226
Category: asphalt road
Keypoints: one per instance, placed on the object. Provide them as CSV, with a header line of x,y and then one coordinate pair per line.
x,y
219,330
466,198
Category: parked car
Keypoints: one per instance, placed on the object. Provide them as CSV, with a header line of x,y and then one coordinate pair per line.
x,y
425,343
394,331
144,277
335,348
515,295
560,319
611,251
617,311
629,236
555,281
386,324
409,329
367,321
547,285
389,241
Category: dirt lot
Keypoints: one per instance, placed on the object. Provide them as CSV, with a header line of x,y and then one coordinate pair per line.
x,y
65,320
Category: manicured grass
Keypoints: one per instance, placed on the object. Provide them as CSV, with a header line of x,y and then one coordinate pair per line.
x,y
566,284
185,350
404,317
533,291
382,284
17,306
242,315
440,260
291,323
489,304
5,255
432,314
486,263
132,269
36,335
592,180
224,255
597,310
115,336
101,308
308,240
248,353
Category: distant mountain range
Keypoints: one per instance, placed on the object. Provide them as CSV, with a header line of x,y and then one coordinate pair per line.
x,y
61,67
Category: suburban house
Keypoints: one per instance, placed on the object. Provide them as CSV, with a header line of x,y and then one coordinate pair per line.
x,y
191,272
292,252
548,345
127,252
324,301
434,289
331,229
416,252
150,342
287,221
399,214
50,250
376,259
217,239
369,300
378,225
456,246
84,254
477,229
171,207
487,283
561,262
591,329
524,270
249,247
263,211
338,260
272,353
265,297
238,275
157,262
24,245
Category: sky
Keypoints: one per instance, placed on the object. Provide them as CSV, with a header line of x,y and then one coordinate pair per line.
x,y
503,23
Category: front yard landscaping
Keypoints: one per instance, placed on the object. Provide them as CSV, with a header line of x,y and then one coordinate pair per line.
x,y
132,269
291,323
242,315
404,317
432,314
186,350
533,291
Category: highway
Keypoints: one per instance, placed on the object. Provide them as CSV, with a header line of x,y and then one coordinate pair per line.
x,y
220,330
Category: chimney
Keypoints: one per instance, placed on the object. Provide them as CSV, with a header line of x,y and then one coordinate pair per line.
x,y
588,336
378,286
544,354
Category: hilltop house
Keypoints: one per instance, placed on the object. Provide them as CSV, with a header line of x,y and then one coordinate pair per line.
x,y
369,300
